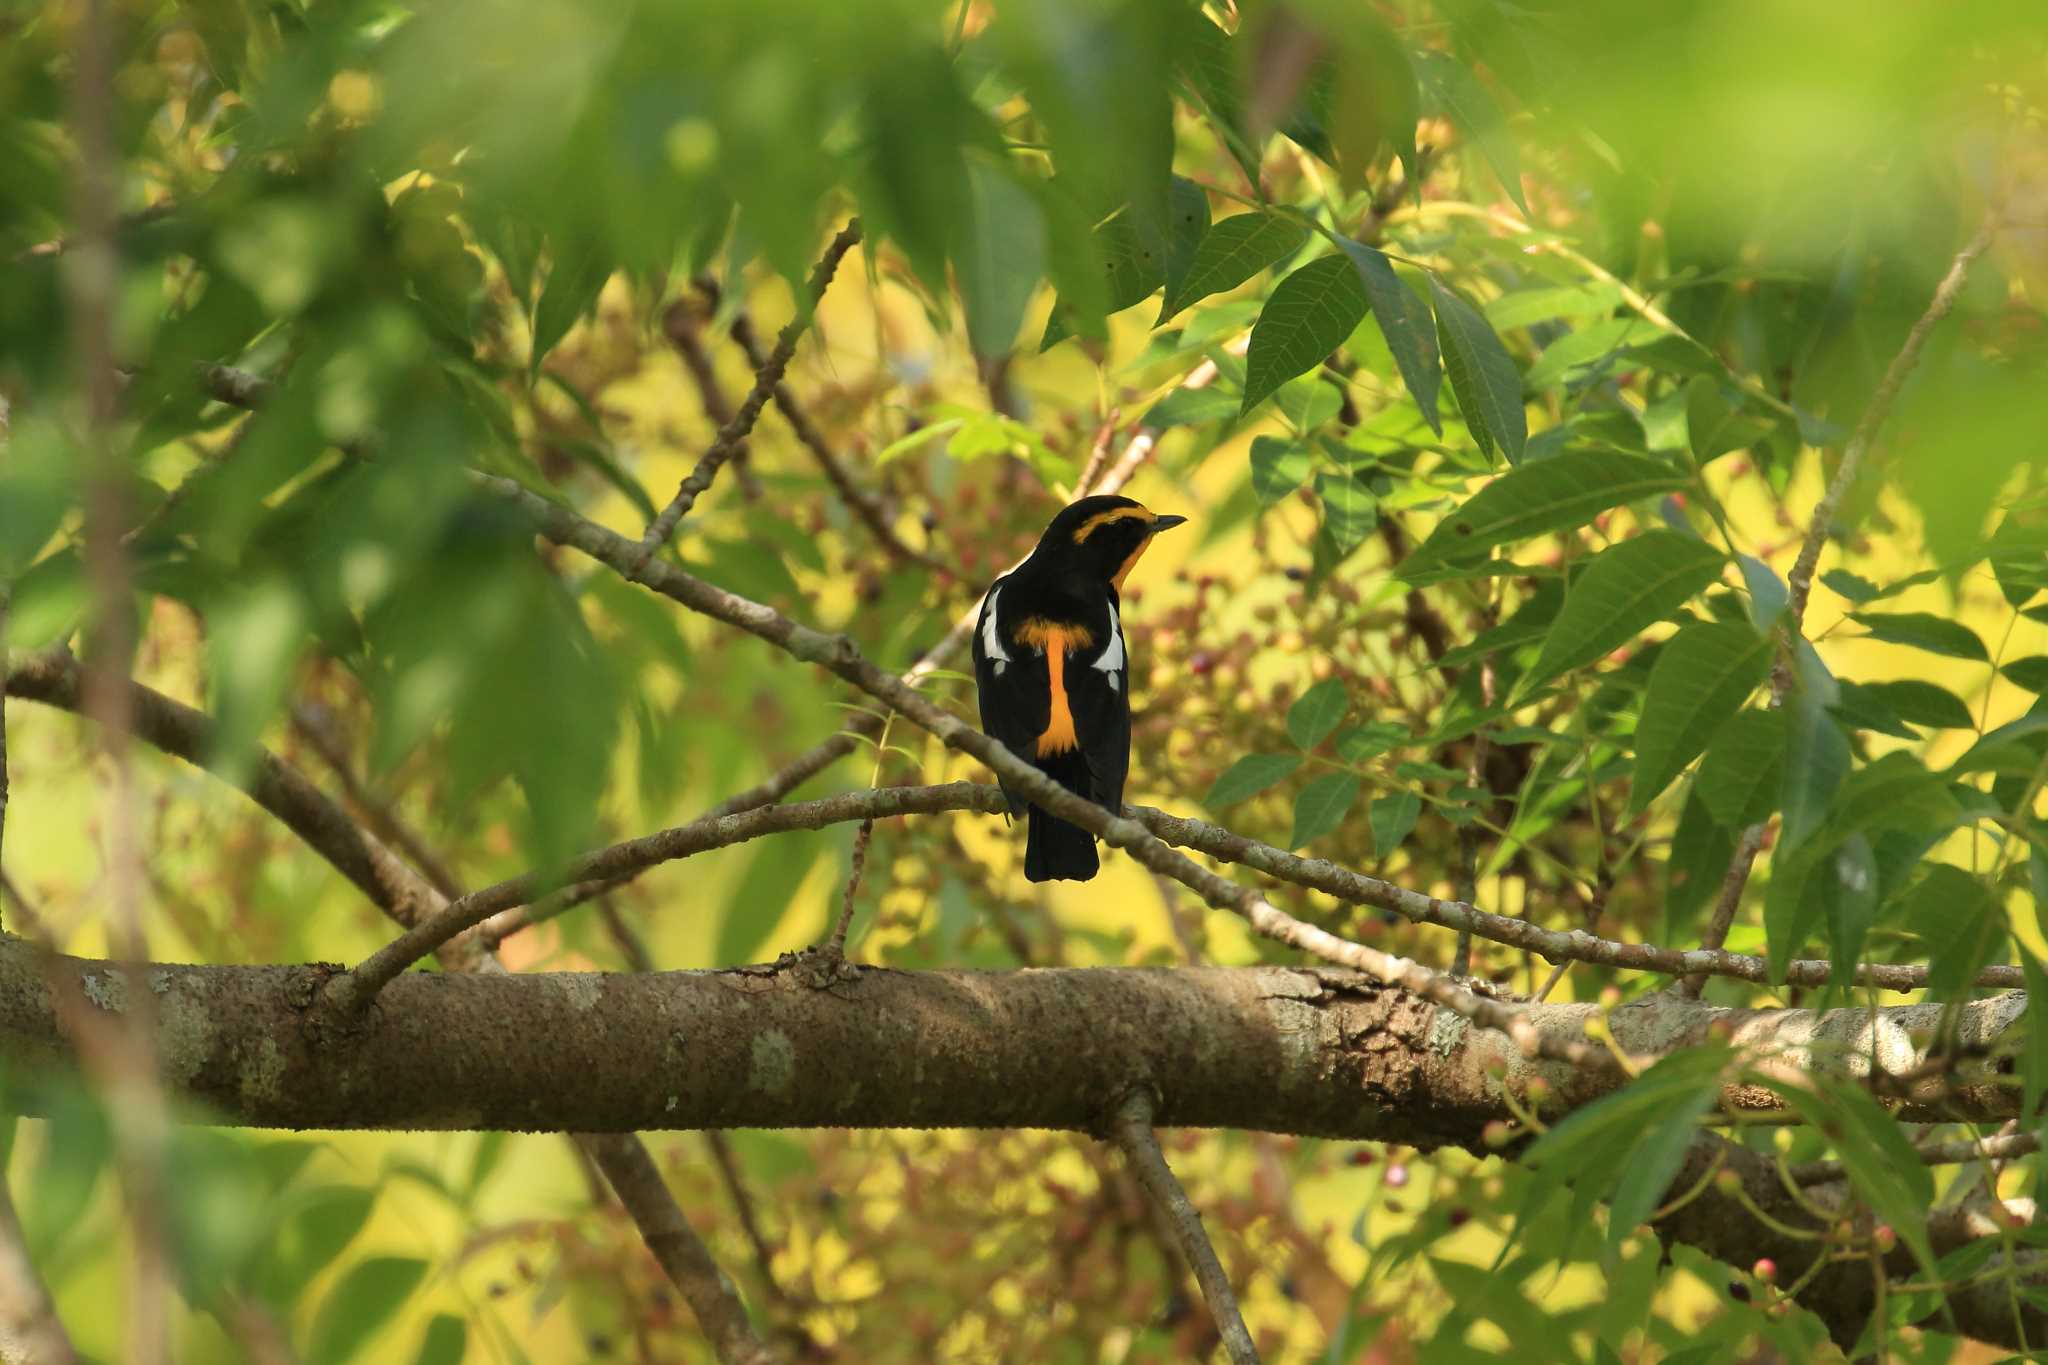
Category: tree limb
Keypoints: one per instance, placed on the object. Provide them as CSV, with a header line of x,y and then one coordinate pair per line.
x,y
1133,1135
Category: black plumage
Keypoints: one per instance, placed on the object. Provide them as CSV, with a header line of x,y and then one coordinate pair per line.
x,y
1053,672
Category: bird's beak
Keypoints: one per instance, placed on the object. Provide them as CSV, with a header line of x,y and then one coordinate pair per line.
x,y
1165,523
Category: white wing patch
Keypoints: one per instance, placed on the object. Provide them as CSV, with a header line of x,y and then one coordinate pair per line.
x,y
992,641
1112,661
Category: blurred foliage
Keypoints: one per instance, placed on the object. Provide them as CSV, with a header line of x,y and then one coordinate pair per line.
x,y
1501,353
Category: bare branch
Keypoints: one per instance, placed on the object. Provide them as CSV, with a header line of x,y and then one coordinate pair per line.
x,y
376,812
682,1254
735,431
864,505
359,987
681,330
1800,581
1132,1132
835,947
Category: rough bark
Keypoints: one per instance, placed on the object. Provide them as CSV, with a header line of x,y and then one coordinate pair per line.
x,y
1290,1050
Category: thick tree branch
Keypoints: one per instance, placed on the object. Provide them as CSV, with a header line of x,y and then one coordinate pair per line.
x,y
1315,1051
1132,1132
733,433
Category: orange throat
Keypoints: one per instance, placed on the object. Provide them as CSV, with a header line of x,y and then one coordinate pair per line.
x,y
1121,574
1056,640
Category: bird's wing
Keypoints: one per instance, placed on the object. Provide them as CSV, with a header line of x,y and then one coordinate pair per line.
x,y
1012,681
1099,688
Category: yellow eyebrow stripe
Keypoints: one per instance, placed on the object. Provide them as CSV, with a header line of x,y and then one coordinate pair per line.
x,y
1100,519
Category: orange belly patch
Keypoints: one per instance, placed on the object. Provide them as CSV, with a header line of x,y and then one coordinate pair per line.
x,y
1056,640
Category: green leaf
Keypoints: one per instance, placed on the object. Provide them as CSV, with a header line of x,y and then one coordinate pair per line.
x,y
2030,673
1457,92
1923,630
1856,588
1001,258
1540,304
1316,712
365,1299
1361,742
1625,588
1308,317
1962,922
1647,1174
315,1228
1700,850
574,282
1795,902
1924,703
1739,778
1320,806
1488,386
1249,776
1349,509
1816,752
1602,343
1880,1161
1714,424
446,1338
1403,316
775,872
1768,595
1700,680
1851,905
1279,466
1557,494
1230,253
2034,1055
1392,818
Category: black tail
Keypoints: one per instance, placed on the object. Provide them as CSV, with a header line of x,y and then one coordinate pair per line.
x,y
1057,851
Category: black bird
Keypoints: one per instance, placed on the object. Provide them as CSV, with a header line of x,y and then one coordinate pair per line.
x,y
1054,678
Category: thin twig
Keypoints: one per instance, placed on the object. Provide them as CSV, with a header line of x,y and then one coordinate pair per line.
x,y
682,1254
735,431
1800,581
835,947
864,505
636,855
681,330
379,814
1132,1132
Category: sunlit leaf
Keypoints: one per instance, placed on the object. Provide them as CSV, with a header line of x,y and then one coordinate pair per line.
x,y
1457,92
1923,630
1308,317
1349,509
1549,495
1279,466
1316,712
1248,777
1698,683
1488,386
1625,588
1320,806
365,1298
1404,320
1231,252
